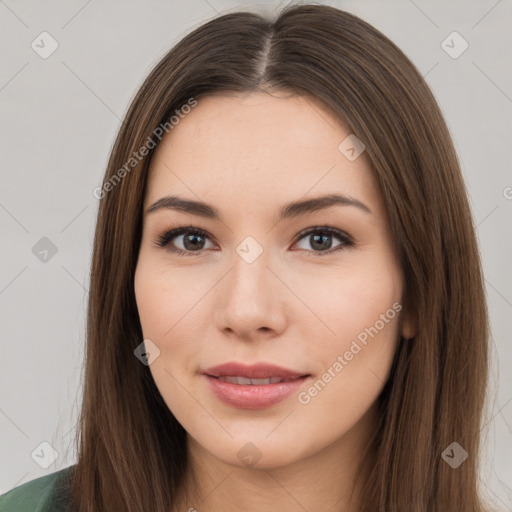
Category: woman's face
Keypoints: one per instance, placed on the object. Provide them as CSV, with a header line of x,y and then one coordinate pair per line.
x,y
267,283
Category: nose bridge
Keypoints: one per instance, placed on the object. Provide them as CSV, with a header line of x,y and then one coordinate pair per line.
x,y
250,300
249,273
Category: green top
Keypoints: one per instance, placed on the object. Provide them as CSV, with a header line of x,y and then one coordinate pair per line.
x,y
48,493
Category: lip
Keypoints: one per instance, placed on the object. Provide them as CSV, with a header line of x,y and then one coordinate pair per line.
x,y
257,396
254,371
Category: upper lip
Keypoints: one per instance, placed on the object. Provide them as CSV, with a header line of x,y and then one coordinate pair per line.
x,y
254,371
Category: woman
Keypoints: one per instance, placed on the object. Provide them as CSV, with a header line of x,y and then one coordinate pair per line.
x,y
286,306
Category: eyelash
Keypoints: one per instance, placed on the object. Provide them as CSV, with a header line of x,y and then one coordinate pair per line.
x,y
163,239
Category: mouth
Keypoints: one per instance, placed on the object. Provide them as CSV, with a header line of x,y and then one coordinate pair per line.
x,y
244,381
256,386
255,372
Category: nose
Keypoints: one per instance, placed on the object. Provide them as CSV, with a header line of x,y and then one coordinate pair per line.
x,y
251,300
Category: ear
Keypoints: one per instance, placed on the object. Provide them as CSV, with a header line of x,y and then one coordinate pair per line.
x,y
409,324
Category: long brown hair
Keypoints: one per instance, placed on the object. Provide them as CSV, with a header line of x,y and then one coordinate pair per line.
x,y
132,452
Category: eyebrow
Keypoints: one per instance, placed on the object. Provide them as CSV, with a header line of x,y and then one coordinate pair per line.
x,y
290,210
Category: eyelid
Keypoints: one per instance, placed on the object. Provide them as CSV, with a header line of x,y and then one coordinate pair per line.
x,y
326,228
171,232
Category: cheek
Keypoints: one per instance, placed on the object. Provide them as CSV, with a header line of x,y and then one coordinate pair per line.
x,y
363,310
347,300
360,310
169,313
167,300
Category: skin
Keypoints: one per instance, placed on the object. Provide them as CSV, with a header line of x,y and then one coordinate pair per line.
x,y
247,155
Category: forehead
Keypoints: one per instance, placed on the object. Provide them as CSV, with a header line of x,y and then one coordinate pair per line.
x,y
259,148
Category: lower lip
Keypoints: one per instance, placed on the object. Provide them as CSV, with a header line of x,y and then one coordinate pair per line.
x,y
254,396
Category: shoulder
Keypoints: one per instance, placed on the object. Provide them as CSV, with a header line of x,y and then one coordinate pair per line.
x,y
46,493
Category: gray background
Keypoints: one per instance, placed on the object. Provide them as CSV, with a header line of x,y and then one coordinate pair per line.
x,y
59,118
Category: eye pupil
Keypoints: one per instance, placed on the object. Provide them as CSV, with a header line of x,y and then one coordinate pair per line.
x,y
319,242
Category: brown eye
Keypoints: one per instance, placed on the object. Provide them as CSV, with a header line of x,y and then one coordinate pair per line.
x,y
189,240
320,240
